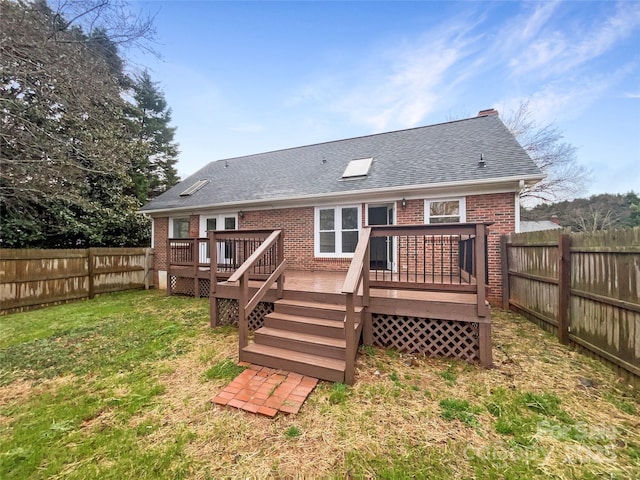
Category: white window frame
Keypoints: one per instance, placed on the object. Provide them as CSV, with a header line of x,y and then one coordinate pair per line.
x,y
172,228
219,221
462,207
337,209
220,218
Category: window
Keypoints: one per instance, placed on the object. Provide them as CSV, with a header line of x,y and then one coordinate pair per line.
x,y
337,231
194,188
180,227
450,210
357,168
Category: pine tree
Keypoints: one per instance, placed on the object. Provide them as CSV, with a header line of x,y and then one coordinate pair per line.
x,y
151,116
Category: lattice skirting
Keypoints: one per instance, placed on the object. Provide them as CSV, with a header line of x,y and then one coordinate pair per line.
x,y
228,313
435,338
185,286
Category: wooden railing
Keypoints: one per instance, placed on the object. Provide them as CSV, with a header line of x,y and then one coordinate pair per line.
x,y
444,257
243,274
192,258
357,275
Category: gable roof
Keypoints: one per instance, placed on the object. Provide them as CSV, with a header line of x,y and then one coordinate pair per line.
x,y
441,154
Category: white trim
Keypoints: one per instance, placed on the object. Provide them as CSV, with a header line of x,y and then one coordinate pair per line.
x,y
219,221
153,234
467,187
337,223
517,213
177,217
462,207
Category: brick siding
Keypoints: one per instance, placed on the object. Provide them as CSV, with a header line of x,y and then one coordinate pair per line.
x,y
298,226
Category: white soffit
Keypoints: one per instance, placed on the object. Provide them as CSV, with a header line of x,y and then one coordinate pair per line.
x,y
357,168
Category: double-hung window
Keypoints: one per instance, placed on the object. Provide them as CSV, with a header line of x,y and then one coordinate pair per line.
x,y
180,227
450,210
336,231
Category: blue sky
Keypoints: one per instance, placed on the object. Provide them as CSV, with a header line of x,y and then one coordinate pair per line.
x,y
251,77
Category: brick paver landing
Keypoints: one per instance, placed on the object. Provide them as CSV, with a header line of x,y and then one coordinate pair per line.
x,y
267,391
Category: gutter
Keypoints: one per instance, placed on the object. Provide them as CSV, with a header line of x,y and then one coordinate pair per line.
x,y
354,195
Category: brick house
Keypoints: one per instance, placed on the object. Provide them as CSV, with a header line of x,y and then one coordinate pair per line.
x,y
322,195
389,240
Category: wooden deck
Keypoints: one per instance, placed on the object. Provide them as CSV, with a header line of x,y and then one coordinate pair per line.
x,y
311,322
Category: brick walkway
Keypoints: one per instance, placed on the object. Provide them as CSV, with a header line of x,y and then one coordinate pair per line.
x,y
267,391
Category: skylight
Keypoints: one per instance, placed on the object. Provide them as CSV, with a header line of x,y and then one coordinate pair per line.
x,y
194,188
357,168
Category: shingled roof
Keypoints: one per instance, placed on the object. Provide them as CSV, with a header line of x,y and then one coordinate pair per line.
x,y
424,157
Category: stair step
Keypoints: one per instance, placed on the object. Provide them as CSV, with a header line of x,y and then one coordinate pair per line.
x,y
301,342
327,311
316,366
303,324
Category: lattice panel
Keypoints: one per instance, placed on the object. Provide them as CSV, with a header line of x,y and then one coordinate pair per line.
x,y
204,284
436,338
228,313
182,286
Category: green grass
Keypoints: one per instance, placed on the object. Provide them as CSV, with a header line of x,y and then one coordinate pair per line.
x,y
292,432
224,370
120,387
106,355
455,409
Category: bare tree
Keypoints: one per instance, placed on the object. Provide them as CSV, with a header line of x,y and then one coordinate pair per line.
x,y
594,220
565,177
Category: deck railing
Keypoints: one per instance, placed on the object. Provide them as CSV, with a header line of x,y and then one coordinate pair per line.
x,y
357,275
262,255
446,257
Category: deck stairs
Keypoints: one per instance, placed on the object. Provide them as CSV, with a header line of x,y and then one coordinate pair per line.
x,y
304,334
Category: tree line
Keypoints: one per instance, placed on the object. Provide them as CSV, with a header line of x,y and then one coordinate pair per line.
x,y
83,143
598,212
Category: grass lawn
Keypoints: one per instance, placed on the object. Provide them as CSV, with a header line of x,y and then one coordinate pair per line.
x,y
120,387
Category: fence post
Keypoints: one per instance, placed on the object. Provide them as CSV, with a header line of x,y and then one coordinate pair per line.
x,y
90,272
504,260
564,286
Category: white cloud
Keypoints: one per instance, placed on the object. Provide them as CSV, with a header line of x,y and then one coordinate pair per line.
x,y
553,52
397,86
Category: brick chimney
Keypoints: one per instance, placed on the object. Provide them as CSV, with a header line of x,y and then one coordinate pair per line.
x,y
554,219
486,113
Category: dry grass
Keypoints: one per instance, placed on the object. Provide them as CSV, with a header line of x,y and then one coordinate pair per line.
x,y
390,423
382,415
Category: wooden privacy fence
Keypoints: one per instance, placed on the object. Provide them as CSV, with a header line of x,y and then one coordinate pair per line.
x,y
583,287
32,278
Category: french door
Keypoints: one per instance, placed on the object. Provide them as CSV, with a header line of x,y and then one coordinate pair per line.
x,y
382,249
224,249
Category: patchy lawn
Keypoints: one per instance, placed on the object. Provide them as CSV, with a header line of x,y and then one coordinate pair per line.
x,y
120,387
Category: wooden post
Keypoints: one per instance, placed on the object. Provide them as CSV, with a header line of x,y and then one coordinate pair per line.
x,y
168,265
564,286
146,268
484,338
480,269
367,327
279,260
243,327
213,279
91,270
351,347
504,261
194,257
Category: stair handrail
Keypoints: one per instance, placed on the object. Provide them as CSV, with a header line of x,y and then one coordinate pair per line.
x,y
358,274
246,305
